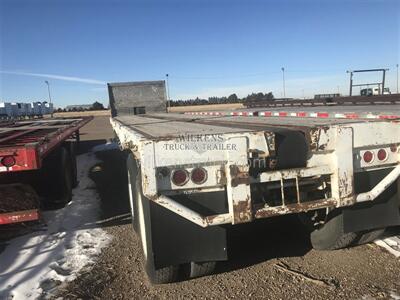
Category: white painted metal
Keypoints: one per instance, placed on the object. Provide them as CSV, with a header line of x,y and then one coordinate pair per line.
x,y
380,187
158,143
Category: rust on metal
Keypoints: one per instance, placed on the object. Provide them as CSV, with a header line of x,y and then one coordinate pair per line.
x,y
266,212
239,175
243,211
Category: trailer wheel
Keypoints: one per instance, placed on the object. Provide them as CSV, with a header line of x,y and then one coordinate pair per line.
x,y
199,269
331,235
64,178
74,169
165,274
369,236
57,184
132,173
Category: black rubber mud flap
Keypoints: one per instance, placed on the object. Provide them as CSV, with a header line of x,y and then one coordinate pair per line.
x,y
379,213
363,222
371,215
176,240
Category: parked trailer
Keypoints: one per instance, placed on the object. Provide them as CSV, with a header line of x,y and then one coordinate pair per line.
x,y
190,177
37,166
17,110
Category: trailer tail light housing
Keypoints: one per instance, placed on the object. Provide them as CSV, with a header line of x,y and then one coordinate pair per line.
x,y
368,156
382,155
8,161
198,175
180,177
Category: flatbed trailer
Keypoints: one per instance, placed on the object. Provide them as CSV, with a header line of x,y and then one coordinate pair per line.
x,y
191,177
31,153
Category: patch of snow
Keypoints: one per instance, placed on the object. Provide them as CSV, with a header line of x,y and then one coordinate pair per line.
x,y
391,244
32,265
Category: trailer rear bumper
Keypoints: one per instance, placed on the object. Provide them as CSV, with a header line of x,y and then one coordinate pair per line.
x,y
19,216
268,211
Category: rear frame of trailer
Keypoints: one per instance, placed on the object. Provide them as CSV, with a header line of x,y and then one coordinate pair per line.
x,y
190,177
25,146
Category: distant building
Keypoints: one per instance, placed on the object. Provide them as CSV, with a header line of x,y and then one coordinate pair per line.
x,y
78,107
323,96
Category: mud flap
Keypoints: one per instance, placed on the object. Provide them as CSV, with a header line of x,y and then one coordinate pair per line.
x,y
371,215
380,213
176,240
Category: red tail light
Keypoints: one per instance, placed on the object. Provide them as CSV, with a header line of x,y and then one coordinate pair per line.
x,y
180,177
382,154
198,175
8,161
368,156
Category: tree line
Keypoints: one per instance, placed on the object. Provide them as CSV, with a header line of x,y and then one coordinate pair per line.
x,y
233,98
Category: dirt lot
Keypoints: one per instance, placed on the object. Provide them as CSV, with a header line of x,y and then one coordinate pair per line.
x,y
269,259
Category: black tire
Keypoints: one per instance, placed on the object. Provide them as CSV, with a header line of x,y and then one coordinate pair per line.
x,y
369,236
55,179
199,269
131,167
162,275
331,235
74,168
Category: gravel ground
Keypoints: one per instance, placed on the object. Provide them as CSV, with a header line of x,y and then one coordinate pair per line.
x,y
268,259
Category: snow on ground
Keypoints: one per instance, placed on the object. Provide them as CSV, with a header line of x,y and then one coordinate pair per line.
x,y
32,265
390,244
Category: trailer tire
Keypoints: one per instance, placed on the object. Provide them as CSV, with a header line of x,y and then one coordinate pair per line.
x,y
331,235
162,275
132,168
64,179
199,269
74,168
369,236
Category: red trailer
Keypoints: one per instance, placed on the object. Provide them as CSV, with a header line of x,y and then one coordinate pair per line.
x,y
37,166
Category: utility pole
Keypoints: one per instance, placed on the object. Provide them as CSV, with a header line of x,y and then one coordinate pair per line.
x,y
283,77
397,70
48,89
166,75
351,83
338,90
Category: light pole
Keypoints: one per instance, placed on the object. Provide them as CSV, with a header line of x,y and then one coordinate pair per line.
x,y
283,76
166,75
397,71
48,89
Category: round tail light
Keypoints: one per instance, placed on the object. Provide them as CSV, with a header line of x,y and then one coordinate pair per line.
x,y
180,177
382,154
8,161
198,175
368,156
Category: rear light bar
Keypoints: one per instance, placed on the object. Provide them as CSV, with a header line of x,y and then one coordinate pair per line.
x,y
380,155
180,177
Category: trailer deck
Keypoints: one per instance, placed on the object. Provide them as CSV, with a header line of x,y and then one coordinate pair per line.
x,y
23,147
159,126
27,143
